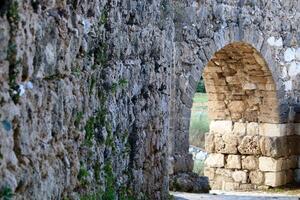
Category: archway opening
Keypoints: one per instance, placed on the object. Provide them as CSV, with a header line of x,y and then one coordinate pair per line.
x,y
249,145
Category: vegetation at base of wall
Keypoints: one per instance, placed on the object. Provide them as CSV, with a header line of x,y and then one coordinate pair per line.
x,y
199,123
92,85
78,118
82,176
6,193
199,167
101,54
104,17
110,190
93,196
89,132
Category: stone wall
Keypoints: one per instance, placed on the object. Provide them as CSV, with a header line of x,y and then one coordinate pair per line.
x,y
96,95
84,98
247,54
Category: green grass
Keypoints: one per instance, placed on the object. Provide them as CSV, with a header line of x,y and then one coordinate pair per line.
x,y
199,123
200,98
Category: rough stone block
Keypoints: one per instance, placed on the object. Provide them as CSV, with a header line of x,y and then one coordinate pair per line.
x,y
221,126
249,162
233,162
215,160
268,164
239,176
236,106
249,145
275,179
274,146
256,177
226,174
230,186
246,187
209,142
272,130
252,128
209,172
239,128
226,143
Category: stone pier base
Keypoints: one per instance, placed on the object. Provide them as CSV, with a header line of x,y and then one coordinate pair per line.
x,y
245,156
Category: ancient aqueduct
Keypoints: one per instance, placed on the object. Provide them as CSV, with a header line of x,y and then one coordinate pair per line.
x,y
96,96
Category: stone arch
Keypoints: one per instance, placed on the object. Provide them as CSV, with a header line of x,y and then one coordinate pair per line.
x,y
240,86
249,117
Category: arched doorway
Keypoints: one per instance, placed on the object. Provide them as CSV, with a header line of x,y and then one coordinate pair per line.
x,y
248,144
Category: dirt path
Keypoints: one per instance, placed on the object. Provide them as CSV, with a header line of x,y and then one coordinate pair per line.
x,y
215,195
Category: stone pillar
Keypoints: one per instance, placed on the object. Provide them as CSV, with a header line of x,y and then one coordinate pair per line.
x,y
250,155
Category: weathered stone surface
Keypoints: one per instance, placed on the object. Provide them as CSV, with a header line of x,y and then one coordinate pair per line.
x,y
252,128
249,162
268,164
209,172
209,142
221,127
240,176
103,86
189,182
225,143
256,177
275,179
239,128
249,145
233,162
274,146
272,130
215,160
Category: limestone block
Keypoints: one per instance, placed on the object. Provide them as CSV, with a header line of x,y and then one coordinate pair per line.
x,y
249,145
239,176
209,142
230,186
233,162
274,146
268,164
239,128
252,128
275,179
216,105
215,160
220,126
209,172
249,162
236,106
246,187
272,130
226,143
226,174
256,177
297,175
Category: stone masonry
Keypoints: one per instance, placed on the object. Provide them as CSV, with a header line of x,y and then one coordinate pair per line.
x,y
95,96
248,55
